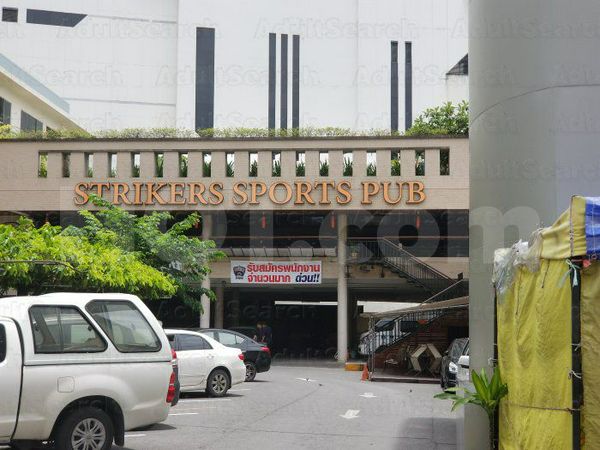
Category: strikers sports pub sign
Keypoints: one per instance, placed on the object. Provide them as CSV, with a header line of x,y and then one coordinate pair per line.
x,y
250,193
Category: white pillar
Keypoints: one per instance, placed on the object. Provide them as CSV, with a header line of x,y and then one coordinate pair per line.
x,y
205,301
342,289
219,305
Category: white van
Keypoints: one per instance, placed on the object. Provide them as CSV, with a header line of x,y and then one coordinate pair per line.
x,y
80,369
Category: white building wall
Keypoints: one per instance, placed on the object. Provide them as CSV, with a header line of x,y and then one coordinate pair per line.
x,y
131,63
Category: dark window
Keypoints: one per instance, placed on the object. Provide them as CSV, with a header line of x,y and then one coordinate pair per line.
x,y
2,343
57,18
205,78
30,123
444,162
394,87
125,325
66,165
10,14
63,329
407,85
191,342
4,111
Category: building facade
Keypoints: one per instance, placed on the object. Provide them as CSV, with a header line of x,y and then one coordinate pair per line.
x,y
358,64
316,230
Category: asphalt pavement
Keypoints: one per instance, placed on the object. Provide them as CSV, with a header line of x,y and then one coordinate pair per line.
x,y
306,408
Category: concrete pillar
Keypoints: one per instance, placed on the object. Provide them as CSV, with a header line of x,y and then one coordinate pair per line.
x,y
220,305
206,233
342,289
533,139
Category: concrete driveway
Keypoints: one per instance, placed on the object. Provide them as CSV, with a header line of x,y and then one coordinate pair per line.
x,y
307,408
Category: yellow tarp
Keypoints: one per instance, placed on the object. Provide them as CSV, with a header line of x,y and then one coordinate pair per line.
x,y
590,339
534,351
556,240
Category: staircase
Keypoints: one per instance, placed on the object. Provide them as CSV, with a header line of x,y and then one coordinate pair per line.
x,y
406,265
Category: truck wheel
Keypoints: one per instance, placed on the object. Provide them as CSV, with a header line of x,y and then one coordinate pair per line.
x,y
250,371
85,429
217,384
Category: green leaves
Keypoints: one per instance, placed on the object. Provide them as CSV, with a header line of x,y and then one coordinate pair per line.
x,y
446,119
44,259
487,395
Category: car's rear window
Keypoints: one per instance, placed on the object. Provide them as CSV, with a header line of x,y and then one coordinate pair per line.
x,y
125,325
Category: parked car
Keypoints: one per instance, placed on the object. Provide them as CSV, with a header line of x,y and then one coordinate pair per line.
x,y
463,377
246,331
257,357
449,367
205,364
81,369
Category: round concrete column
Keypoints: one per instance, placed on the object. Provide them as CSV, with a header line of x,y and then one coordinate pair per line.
x,y
205,301
342,288
535,126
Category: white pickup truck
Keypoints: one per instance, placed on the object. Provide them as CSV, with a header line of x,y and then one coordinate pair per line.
x,y
79,370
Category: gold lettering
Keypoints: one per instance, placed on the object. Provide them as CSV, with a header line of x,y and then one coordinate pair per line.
x,y
273,196
239,192
256,192
416,187
324,191
215,189
120,197
343,189
152,193
137,196
386,193
99,188
300,193
80,192
196,191
368,193
177,192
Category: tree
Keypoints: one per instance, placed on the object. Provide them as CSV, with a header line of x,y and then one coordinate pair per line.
x,y
38,260
446,119
184,259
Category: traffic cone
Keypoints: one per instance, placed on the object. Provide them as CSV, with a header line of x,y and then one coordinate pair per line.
x,y
365,373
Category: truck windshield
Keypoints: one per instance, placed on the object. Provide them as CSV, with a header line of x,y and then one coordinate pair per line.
x,y
125,325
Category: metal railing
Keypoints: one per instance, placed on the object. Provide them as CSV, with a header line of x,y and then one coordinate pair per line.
x,y
402,262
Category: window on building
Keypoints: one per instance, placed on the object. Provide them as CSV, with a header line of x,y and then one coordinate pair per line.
x,y
276,164
125,326
159,165
420,163
348,168
43,165
66,165
445,162
112,165
300,164
396,169
135,165
30,123
10,15
371,164
230,164
253,164
206,164
4,112
63,329
89,164
324,164
183,164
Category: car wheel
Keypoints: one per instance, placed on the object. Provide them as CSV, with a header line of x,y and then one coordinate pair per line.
x,y
250,371
218,383
85,429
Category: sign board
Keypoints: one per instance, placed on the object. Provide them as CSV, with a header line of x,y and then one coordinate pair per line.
x,y
276,272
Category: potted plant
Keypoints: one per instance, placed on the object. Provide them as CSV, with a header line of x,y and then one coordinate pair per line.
x,y
487,395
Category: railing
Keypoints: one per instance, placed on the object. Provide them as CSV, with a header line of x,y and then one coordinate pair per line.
x,y
402,262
